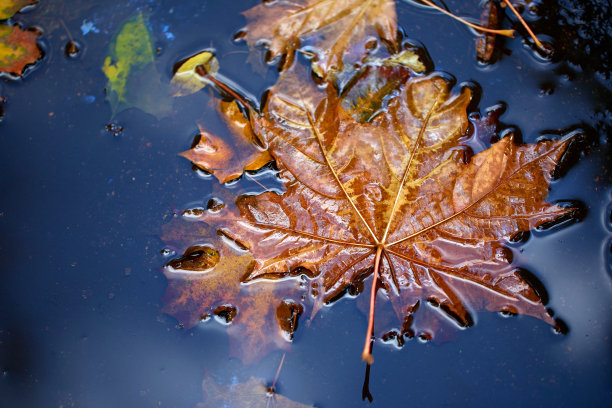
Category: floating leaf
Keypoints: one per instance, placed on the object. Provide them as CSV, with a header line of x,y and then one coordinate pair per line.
x,y
8,8
205,281
227,159
129,67
18,49
397,197
327,28
186,81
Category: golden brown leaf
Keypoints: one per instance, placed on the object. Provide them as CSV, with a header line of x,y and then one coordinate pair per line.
x,y
328,28
250,394
205,281
397,195
18,49
227,159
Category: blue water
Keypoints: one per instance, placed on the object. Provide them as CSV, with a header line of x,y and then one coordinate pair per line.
x,y
80,210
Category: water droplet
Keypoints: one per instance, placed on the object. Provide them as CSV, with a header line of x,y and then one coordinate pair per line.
x,y
167,252
225,314
114,128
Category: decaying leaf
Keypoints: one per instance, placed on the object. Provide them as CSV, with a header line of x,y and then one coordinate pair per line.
x,y
8,8
227,159
326,28
205,281
396,196
251,394
186,81
129,67
18,49
486,42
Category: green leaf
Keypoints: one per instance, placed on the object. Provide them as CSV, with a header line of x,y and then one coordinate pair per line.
x,y
133,80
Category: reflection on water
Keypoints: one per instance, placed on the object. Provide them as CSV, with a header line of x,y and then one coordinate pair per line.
x,y
81,207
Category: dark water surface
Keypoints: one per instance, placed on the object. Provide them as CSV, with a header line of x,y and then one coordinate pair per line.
x,y
80,209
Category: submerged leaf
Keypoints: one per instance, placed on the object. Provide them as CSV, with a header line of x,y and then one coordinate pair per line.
x,y
18,49
327,28
250,394
186,81
206,281
129,67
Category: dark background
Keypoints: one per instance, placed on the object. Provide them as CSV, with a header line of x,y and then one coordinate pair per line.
x,y
80,210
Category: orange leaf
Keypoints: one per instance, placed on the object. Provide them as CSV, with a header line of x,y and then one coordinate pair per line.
x,y
227,160
396,195
328,28
18,49
206,281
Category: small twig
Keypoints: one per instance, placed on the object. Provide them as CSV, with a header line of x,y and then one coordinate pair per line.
x,y
507,33
67,30
524,23
252,178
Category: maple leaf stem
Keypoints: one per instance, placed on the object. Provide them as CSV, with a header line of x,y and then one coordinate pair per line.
x,y
507,33
524,23
201,71
366,355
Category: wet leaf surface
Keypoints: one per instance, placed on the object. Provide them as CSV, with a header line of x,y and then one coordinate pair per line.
x,y
133,80
326,28
399,194
206,282
18,49
227,158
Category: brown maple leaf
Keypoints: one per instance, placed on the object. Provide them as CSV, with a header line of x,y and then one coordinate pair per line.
x,y
398,196
205,281
227,159
328,28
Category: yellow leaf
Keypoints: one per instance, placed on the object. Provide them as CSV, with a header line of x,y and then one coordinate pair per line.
x,y
186,81
129,67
